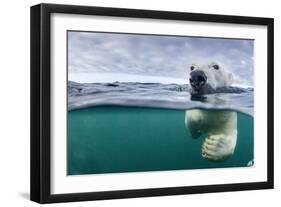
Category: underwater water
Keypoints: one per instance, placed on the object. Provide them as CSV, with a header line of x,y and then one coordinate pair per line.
x,y
115,139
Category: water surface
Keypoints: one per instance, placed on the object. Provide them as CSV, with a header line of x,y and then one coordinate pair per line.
x,y
157,95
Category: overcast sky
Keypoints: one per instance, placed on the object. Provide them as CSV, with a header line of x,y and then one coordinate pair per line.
x,y
107,57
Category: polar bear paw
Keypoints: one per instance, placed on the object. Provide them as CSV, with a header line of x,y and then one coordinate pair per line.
x,y
218,147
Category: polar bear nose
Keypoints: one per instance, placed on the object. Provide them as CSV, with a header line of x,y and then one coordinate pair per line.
x,y
197,78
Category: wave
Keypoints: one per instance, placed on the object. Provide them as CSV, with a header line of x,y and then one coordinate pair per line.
x,y
157,95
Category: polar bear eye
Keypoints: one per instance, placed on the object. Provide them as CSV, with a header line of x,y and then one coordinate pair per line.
x,y
192,67
216,67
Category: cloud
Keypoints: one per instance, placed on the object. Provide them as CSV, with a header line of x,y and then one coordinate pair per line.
x,y
154,55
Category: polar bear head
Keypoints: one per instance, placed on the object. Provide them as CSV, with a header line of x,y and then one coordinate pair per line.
x,y
206,78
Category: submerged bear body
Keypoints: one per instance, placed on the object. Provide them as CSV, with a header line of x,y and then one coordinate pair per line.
x,y
218,126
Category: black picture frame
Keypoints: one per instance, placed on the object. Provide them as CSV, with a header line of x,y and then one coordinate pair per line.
x,y
40,184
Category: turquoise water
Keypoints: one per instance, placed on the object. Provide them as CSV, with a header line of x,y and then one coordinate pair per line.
x,y
112,139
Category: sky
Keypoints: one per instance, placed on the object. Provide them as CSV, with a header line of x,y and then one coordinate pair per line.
x,y
109,57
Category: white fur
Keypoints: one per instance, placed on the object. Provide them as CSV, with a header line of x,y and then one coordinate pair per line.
x,y
215,78
220,127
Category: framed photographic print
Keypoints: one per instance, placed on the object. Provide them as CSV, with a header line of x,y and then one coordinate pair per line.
x,y
133,103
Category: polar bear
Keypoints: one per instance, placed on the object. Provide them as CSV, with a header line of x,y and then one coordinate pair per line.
x,y
219,126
